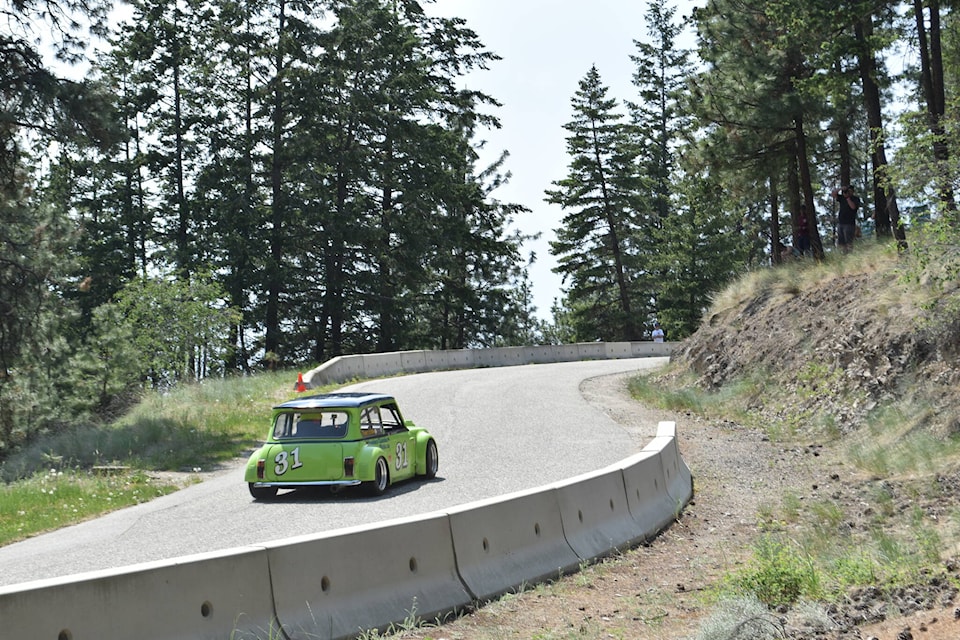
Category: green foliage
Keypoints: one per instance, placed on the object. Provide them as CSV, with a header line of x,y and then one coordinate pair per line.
x,y
673,397
698,252
108,367
777,574
854,569
179,330
34,245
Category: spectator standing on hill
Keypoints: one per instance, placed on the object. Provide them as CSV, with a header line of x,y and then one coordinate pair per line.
x,y
657,332
846,217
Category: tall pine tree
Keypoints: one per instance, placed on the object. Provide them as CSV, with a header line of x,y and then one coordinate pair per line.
x,y
601,196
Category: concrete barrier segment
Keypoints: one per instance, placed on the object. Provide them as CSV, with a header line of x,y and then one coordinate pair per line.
x,y
209,596
341,583
596,515
614,350
652,508
437,360
461,358
414,361
335,371
566,353
377,365
503,543
678,477
591,351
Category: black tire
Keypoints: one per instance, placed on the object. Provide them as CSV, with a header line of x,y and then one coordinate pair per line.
x,y
432,460
262,493
381,478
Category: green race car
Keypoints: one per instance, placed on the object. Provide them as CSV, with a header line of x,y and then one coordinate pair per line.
x,y
340,440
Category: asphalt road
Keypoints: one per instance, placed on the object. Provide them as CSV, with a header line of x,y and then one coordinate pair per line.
x,y
499,430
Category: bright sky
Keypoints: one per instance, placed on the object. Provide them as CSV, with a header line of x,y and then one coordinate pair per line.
x,y
547,47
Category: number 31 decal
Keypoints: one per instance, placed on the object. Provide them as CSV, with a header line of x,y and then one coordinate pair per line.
x,y
283,461
401,455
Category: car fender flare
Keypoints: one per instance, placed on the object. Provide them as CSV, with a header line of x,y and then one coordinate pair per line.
x,y
423,437
366,460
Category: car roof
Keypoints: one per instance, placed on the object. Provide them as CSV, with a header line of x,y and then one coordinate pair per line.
x,y
334,400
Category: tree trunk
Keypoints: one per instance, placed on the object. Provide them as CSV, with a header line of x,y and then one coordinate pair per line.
x,y
886,211
803,164
274,284
774,202
931,82
386,291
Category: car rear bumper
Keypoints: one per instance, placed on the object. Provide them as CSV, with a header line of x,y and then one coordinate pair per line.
x,y
312,483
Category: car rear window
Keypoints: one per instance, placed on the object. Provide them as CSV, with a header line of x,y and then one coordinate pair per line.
x,y
326,424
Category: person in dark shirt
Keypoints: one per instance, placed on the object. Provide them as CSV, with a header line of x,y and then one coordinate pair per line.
x,y
846,217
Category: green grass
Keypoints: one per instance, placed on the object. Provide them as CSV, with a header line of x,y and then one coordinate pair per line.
x,y
51,483
53,499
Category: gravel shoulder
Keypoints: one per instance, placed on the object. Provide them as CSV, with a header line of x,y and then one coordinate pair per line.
x,y
659,591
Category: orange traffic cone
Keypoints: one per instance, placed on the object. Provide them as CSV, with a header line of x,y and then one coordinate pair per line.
x,y
300,386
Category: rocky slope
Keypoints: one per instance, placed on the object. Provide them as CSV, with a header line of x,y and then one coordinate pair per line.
x,y
814,358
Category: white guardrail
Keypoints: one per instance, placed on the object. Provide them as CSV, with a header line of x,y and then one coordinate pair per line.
x,y
319,587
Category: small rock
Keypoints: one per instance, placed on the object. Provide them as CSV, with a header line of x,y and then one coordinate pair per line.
x,y
905,634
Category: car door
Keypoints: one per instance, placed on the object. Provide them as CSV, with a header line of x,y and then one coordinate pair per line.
x,y
403,444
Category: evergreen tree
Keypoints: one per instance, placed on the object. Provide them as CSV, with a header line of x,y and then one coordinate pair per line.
x,y
702,249
595,245
659,124
230,187
660,78
749,96
37,108
162,46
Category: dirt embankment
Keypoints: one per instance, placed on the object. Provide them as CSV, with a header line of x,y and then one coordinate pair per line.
x,y
823,357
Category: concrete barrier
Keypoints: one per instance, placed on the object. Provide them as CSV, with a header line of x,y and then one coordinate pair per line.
x,y
650,505
595,514
336,370
204,597
677,475
337,584
591,351
376,365
462,358
413,361
505,542
650,349
615,350
438,360
344,368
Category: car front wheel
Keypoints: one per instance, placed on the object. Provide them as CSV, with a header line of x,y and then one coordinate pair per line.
x,y
381,478
433,460
261,493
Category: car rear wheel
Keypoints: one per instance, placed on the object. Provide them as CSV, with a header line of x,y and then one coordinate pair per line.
x,y
381,478
261,493
433,459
